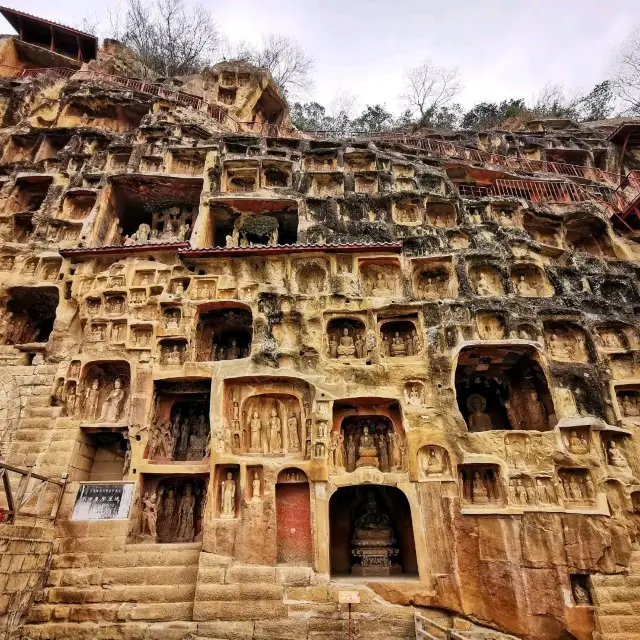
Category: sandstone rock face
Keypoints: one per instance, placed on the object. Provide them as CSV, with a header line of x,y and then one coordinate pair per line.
x,y
277,367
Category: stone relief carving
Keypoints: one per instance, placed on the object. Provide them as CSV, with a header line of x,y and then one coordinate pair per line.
x,y
103,397
400,339
487,281
433,463
480,485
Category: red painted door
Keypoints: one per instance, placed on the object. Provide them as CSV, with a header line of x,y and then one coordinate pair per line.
x,y
293,514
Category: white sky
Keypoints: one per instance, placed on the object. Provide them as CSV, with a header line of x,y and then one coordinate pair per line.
x,y
503,48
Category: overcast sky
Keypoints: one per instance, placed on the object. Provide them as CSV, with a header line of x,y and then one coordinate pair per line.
x,y
503,48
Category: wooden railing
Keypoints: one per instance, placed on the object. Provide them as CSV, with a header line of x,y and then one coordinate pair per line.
x,y
32,487
427,629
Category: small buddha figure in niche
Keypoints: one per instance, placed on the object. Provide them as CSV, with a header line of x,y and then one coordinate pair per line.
x,y
333,346
532,496
292,431
575,490
525,289
186,514
398,346
233,353
351,453
615,457
580,595
228,497
611,340
370,344
430,288
381,287
630,406
415,342
255,427
339,452
149,515
173,356
545,492
255,487
113,403
359,344
395,453
275,432
92,401
367,450
346,348
478,419
521,492
179,288
386,347
479,491
484,286
575,444
433,464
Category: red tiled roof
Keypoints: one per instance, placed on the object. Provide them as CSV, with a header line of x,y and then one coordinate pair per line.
x,y
30,16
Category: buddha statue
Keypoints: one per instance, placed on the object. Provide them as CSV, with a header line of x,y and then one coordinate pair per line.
x,y
615,457
478,419
381,286
367,451
373,540
479,491
398,346
346,347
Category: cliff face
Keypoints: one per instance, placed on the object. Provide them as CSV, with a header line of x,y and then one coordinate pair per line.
x,y
277,367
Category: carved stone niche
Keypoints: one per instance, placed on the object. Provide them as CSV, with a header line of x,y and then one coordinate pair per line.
x,y
118,332
203,288
180,421
366,182
519,452
441,214
635,501
529,281
408,211
543,231
320,160
433,280
628,400
49,269
115,305
576,440
347,339
458,240
77,204
178,286
327,185
503,388
171,319
240,176
616,497
476,213
97,331
506,215
227,491
254,490
414,393
487,281
140,336
224,333
528,332
481,485
104,392
576,488
172,508
566,342
29,315
400,337
172,351
7,262
613,338
490,326
624,366
523,491
588,235
380,279
311,276
187,162
368,434
433,463
266,418
359,161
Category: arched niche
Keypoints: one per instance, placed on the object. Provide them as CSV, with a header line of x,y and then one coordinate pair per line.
x,y
529,281
615,337
441,214
380,279
481,485
346,338
434,463
400,337
503,388
104,391
371,532
408,211
30,315
567,342
293,517
367,432
224,333
433,279
628,400
490,325
311,276
588,235
542,230
172,351
486,281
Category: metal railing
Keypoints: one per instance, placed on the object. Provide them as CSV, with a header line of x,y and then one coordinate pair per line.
x,y
434,631
31,487
193,102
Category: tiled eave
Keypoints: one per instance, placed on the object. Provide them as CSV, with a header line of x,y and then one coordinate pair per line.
x,y
227,252
114,250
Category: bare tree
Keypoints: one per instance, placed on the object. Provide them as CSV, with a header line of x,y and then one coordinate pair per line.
x,y
429,88
627,74
170,37
552,102
283,57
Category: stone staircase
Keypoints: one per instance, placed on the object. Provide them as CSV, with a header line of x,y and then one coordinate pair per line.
x,y
141,582
617,602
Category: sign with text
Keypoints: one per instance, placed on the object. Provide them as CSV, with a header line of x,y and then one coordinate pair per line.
x,y
96,501
348,597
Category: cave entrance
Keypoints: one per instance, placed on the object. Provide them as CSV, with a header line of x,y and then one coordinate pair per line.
x,y
371,533
293,515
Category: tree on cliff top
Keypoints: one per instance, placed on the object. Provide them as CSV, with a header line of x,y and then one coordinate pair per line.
x,y
627,80
170,37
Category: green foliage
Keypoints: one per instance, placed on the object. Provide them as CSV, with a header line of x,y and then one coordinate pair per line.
x,y
487,115
374,118
598,104
258,225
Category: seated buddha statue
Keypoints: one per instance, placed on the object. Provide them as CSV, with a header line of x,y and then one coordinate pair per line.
x,y
367,451
398,346
346,347
372,540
